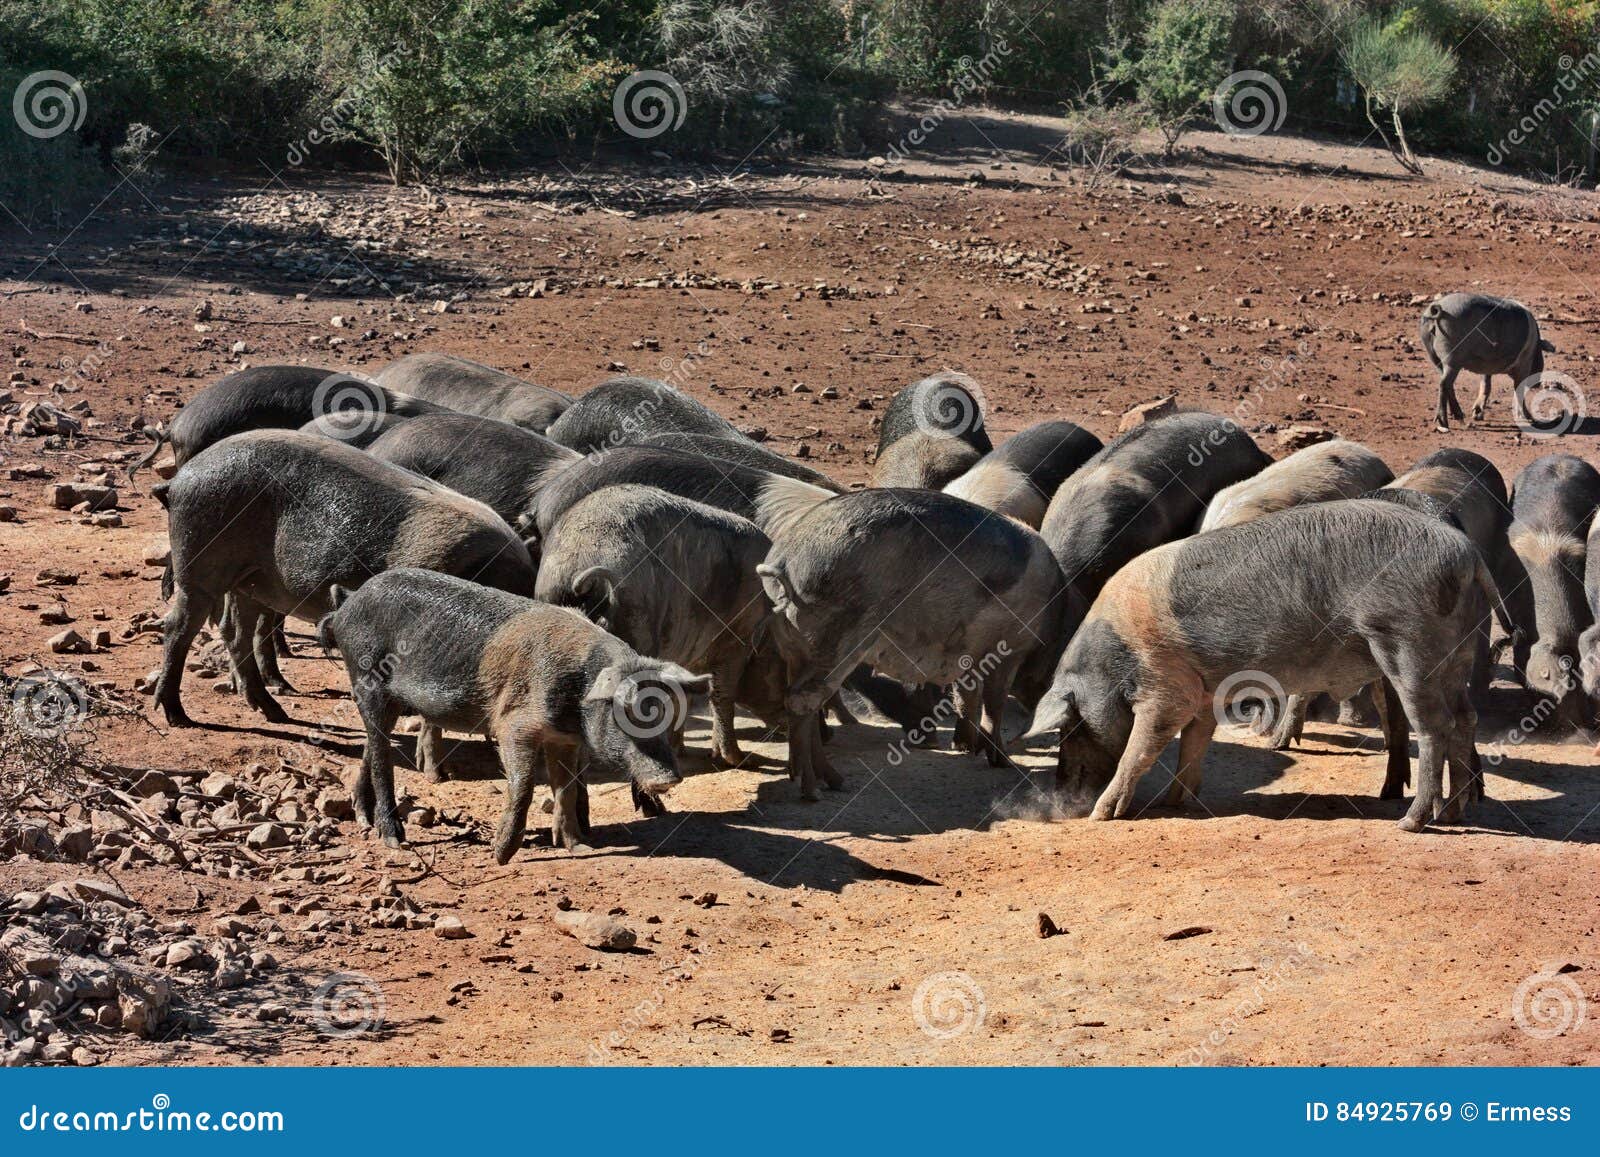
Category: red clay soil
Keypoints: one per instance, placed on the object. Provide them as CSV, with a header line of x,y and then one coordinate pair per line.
x,y
1288,921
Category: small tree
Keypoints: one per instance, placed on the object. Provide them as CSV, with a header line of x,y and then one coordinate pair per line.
x,y
1185,52
1399,69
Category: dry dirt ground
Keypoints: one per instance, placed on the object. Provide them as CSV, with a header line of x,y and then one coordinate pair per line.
x,y
896,922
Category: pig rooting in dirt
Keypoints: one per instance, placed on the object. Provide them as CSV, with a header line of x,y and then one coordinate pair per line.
x,y
1553,502
932,433
553,689
674,579
925,587
1283,604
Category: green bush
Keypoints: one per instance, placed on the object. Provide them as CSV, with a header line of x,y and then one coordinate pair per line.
x,y
1185,51
1400,69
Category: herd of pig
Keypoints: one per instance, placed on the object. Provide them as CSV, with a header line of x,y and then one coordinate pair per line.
x,y
565,575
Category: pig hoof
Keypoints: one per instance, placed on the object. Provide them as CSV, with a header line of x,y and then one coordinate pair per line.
x,y
395,840
811,794
1411,824
1392,791
180,719
650,806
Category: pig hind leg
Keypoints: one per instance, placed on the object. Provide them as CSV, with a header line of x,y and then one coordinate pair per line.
x,y
969,719
189,611
374,800
1466,769
1447,399
725,677
1432,714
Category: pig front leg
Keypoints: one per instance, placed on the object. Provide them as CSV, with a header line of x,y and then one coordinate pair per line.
x,y
569,818
522,759
430,753
1152,729
1192,744
1396,742
245,632
1291,726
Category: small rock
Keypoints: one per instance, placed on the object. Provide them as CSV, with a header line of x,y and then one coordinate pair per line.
x,y
1298,437
69,642
450,928
264,836
1147,412
600,932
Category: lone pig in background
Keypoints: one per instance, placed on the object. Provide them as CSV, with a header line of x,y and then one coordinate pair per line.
x,y
470,387
1019,478
1145,488
1483,335
932,433
1320,473
1552,507
924,587
674,579
552,688
1286,601
277,518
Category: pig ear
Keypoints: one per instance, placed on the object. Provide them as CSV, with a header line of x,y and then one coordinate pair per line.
x,y
776,584
596,582
1054,713
605,685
